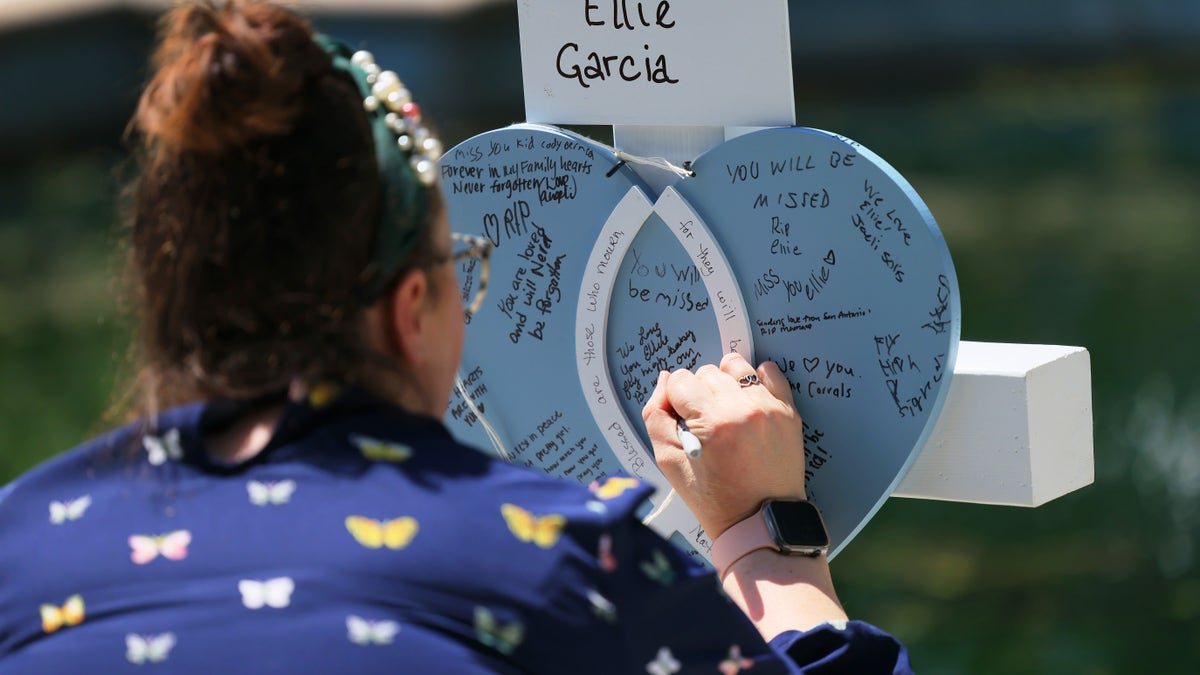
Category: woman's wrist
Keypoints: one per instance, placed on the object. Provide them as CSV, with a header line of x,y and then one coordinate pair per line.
x,y
739,539
781,592
792,527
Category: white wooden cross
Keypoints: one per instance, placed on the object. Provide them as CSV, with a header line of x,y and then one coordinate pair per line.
x,y
676,78
1017,424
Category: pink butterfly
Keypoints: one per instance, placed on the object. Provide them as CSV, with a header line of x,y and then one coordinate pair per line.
x,y
735,662
608,562
172,546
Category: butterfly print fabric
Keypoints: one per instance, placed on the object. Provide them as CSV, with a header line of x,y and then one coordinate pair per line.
x,y
364,540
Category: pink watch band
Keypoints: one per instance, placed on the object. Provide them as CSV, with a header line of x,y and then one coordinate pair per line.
x,y
739,541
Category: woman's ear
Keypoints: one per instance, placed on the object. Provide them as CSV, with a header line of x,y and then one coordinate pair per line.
x,y
405,318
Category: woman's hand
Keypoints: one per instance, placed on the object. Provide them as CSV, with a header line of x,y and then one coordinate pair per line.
x,y
752,439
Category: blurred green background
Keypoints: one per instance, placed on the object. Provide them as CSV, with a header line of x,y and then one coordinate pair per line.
x,y
1056,143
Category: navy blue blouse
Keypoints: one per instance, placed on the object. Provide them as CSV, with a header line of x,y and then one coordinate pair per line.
x,y
362,539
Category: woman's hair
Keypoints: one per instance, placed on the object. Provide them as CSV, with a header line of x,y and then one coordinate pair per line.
x,y
255,209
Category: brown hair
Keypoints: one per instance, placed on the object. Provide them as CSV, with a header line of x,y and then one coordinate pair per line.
x,y
255,210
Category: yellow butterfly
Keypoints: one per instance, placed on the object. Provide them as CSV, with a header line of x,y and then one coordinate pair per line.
x,y
659,570
322,393
615,487
735,662
70,614
395,533
541,530
381,451
504,638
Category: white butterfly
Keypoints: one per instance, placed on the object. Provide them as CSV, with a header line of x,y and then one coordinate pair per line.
x,y
262,494
602,606
160,449
365,632
276,593
153,648
663,664
72,509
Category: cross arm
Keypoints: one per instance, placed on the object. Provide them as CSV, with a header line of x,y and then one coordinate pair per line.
x,y
1016,428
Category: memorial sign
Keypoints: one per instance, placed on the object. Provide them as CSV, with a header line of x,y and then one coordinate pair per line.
x,y
790,244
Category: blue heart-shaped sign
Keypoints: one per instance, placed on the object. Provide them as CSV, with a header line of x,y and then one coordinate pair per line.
x,y
789,244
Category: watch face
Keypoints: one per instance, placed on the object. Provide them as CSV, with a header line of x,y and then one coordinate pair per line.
x,y
797,524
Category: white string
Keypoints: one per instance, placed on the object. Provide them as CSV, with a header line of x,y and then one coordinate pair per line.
x,y
650,517
487,427
657,162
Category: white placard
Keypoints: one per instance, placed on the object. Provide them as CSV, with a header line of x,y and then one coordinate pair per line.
x,y
657,62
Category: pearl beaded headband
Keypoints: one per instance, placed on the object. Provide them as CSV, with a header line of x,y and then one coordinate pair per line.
x,y
407,155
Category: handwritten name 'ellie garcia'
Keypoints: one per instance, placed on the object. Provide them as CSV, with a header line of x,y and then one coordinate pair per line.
x,y
592,66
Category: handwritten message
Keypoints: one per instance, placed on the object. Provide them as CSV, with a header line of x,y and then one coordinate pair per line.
x,y
819,377
882,228
583,68
939,317
553,447
911,382
548,169
655,62
654,350
535,289
673,285
815,456
518,179
791,323
475,387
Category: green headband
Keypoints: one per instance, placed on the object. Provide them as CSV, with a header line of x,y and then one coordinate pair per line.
x,y
407,156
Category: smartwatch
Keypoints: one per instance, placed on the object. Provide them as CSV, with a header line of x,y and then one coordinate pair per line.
x,y
790,527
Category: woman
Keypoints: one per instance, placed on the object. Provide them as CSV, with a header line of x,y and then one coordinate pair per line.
x,y
289,500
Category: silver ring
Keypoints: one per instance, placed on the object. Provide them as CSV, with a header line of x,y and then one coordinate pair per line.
x,y
749,380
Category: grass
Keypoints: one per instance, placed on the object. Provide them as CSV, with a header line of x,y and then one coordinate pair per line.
x,y
1068,200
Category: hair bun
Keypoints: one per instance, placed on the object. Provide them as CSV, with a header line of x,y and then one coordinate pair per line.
x,y
226,76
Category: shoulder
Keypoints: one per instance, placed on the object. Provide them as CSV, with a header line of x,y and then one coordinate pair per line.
x,y
60,473
82,468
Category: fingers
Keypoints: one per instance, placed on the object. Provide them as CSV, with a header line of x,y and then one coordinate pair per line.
x,y
659,416
775,382
767,374
658,398
737,367
749,435
690,394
